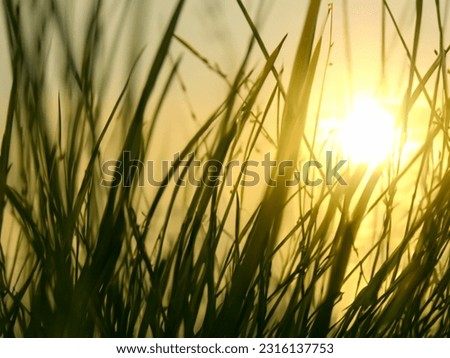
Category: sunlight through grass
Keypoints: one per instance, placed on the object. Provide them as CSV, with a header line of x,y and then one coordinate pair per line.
x,y
367,135
90,247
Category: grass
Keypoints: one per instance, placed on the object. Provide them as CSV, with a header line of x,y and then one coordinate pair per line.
x,y
78,259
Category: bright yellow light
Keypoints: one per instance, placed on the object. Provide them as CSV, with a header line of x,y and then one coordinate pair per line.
x,y
368,133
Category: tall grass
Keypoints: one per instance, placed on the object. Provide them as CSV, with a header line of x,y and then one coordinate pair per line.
x,y
80,259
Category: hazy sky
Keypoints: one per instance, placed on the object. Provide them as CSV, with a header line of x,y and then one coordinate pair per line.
x,y
217,29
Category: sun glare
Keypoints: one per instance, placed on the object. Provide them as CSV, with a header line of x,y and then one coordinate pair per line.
x,y
367,134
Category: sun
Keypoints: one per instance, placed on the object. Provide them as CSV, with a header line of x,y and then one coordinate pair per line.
x,y
367,134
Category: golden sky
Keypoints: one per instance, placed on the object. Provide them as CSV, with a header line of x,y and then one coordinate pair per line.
x,y
219,32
